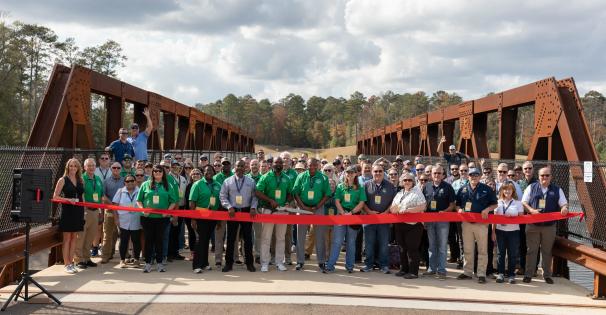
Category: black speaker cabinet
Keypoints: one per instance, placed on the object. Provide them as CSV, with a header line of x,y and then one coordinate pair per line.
x,y
32,194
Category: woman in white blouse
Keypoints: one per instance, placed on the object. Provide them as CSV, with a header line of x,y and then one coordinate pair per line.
x,y
507,236
408,235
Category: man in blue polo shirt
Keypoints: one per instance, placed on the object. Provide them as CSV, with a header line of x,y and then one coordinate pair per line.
x,y
121,146
476,197
440,197
139,139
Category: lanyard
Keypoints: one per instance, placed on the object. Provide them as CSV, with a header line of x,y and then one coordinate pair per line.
x,y
278,180
312,181
94,182
131,198
435,191
505,208
104,174
239,187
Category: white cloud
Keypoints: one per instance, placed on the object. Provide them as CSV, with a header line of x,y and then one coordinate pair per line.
x,y
199,51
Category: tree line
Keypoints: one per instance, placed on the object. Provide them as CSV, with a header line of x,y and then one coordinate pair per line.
x,y
27,55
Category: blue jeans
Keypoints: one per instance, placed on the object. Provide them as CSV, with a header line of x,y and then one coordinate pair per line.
x,y
437,233
165,238
339,234
372,233
508,243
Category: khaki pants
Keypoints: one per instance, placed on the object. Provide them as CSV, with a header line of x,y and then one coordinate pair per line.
x,y
220,239
543,236
310,242
110,236
280,235
475,233
257,228
84,239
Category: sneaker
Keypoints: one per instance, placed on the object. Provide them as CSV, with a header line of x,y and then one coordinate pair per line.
x,y
68,269
400,273
136,264
289,261
548,280
463,277
198,270
481,279
321,266
429,273
365,269
491,276
208,268
500,278
147,268
72,267
527,279
350,270
410,276
264,268
161,268
385,270
299,267
281,267
441,276
512,280
90,263
326,270
123,264
82,265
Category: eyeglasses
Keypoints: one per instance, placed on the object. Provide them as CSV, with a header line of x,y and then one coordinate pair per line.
x,y
419,169
129,181
104,158
511,175
188,167
422,180
116,167
377,172
139,175
502,172
327,171
487,172
124,133
157,171
196,174
545,175
393,174
217,165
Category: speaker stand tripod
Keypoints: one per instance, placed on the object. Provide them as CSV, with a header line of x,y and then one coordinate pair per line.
x,y
26,278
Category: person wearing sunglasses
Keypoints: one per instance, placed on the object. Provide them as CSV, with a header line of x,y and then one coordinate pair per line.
x,y
110,230
476,197
392,175
455,234
93,193
179,184
129,222
408,234
542,197
121,146
104,168
418,169
194,175
204,194
255,174
440,197
140,177
454,174
155,193
452,157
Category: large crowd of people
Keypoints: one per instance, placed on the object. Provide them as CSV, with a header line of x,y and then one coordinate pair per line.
x,y
272,185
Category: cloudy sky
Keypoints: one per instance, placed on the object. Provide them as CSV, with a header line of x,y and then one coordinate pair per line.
x,y
200,50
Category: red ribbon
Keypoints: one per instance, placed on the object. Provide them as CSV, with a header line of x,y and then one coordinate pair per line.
x,y
339,219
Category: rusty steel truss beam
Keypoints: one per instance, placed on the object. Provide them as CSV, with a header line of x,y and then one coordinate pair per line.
x,y
64,120
561,133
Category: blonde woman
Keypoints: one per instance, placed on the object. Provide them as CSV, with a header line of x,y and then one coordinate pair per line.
x,y
408,234
507,236
70,187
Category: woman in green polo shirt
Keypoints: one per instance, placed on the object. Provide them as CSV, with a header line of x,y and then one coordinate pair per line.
x,y
349,199
204,195
155,193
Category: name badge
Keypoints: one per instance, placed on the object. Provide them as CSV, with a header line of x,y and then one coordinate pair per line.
x,y
212,201
310,195
434,205
239,199
278,194
347,197
95,197
468,206
156,199
331,211
542,204
378,199
181,193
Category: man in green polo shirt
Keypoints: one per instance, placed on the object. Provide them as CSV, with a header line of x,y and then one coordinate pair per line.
x,y
273,191
93,192
311,190
289,171
127,166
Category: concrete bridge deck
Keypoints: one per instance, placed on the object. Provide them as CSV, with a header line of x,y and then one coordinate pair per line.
x,y
109,286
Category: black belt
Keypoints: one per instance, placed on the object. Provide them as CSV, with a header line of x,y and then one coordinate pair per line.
x,y
245,209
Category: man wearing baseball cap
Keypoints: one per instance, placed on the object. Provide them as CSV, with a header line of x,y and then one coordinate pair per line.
x,y
139,139
453,157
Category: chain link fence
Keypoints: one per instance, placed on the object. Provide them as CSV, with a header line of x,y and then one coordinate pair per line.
x,y
588,198
55,159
